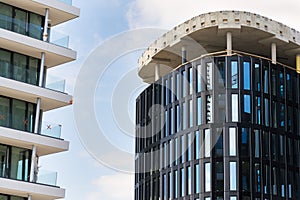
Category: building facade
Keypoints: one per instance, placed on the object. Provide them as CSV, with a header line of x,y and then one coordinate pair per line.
x,y
28,48
227,124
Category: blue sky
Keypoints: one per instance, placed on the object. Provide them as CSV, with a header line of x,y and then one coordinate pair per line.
x,y
83,176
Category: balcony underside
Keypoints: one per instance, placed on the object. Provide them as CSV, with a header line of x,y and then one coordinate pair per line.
x,y
50,99
45,145
54,54
37,191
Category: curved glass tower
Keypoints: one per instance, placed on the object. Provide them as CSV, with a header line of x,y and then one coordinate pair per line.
x,y
220,118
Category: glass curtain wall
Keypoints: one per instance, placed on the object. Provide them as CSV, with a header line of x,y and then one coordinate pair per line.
x,y
15,162
17,114
21,21
19,67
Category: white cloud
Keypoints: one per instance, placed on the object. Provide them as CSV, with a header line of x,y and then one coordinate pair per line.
x,y
113,187
169,13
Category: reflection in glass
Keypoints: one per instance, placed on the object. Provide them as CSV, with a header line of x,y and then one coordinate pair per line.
x,y
247,76
197,178
232,141
232,173
234,74
207,177
209,76
235,107
199,111
207,147
257,77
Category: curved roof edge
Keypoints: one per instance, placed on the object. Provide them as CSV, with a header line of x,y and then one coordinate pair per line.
x,y
204,27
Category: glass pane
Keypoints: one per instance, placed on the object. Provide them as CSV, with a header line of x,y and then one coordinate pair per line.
x,y
182,185
257,177
219,142
19,120
232,173
199,78
3,161
257,76
232,141
197,145
20,162
207,175
5,16
256,143
257,110
234,74
267,112
190,113
219,182
33,73
176,184
30,118
247,104
235,107
20,21
245,176
199,111
5,60
209,76
19,68
35,26
266,80
245,143
189,179
209,109
4,112
207,147
4,197
281,85
197,178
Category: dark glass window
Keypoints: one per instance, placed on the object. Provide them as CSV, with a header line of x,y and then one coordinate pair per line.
x,y
256,143
21,21
257,77
19,67
245,143
281,84
266,79
221,73
219,176
15,162
257,177
267,112
266,179
219,142
17,114
274,82
257,110
245,176
289,86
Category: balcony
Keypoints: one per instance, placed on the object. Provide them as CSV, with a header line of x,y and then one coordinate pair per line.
x,y
60,10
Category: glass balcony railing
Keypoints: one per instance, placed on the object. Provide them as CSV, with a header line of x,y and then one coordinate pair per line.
x,y
55,83
69,2
33,30
51,129
59,39
47,178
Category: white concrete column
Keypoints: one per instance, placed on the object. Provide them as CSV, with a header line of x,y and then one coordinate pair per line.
x,y
298,63
42,66
37,116
45,33
229,43
156,73
33,163
183,54
273,53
